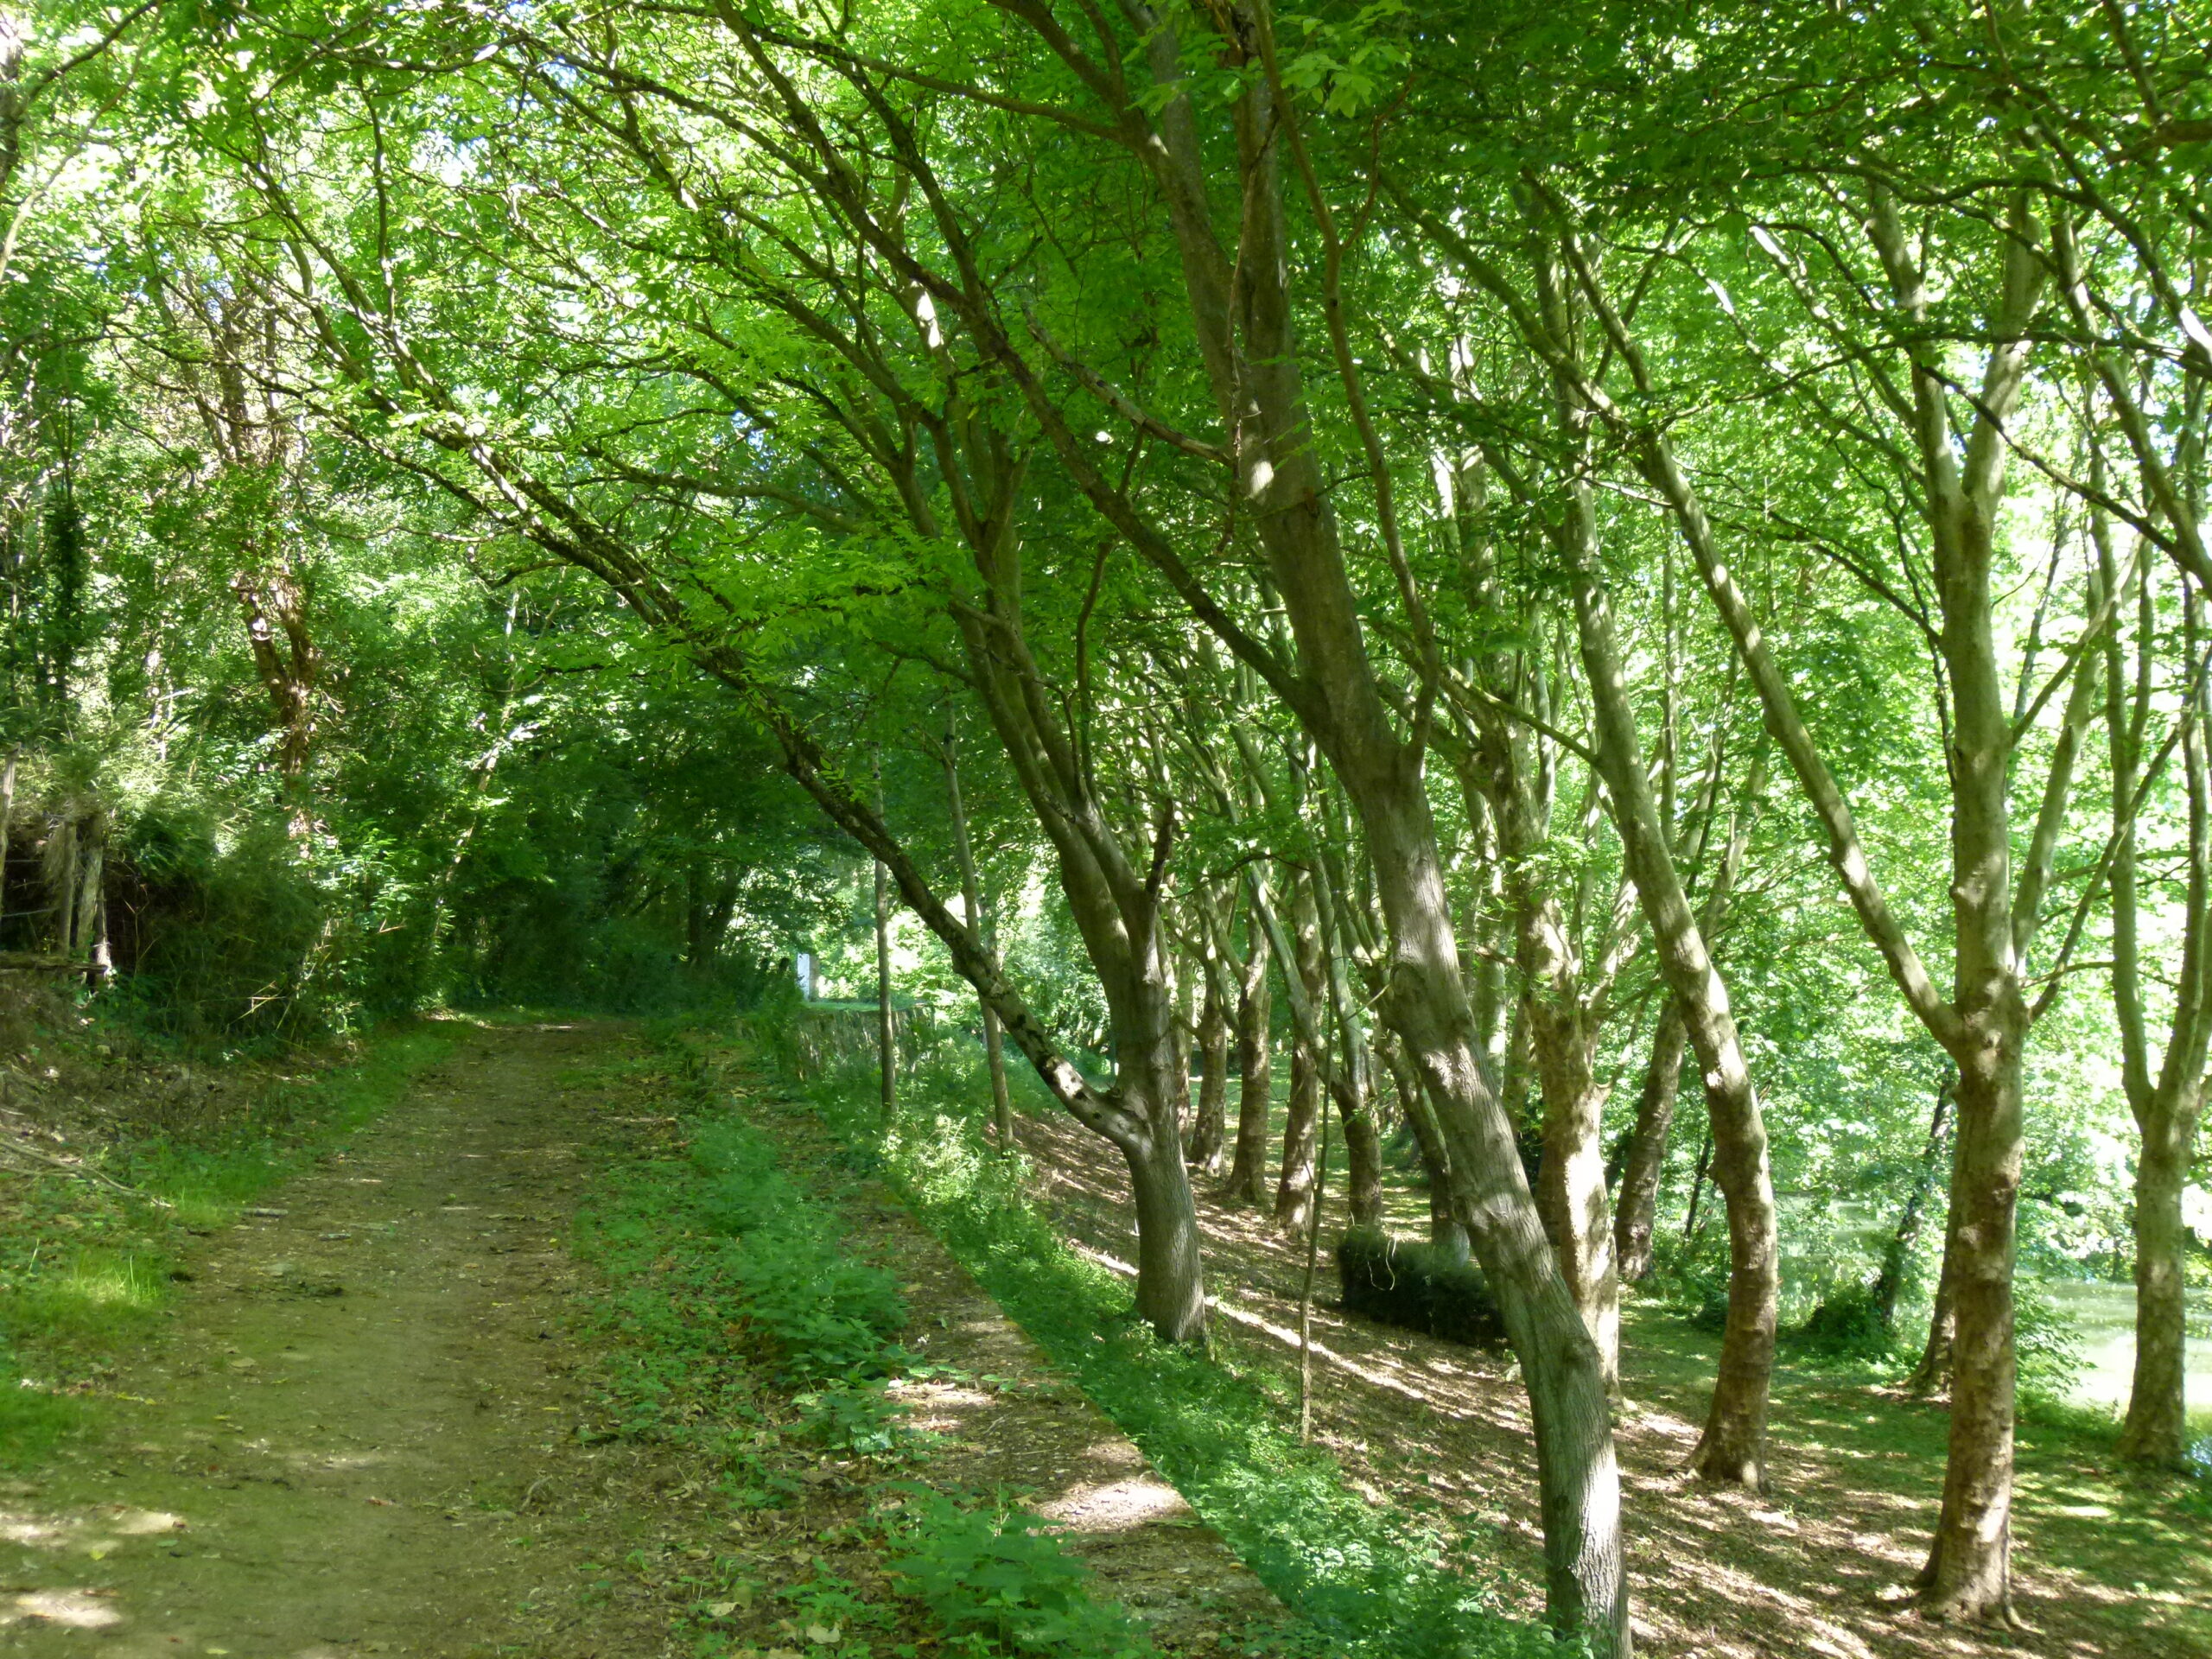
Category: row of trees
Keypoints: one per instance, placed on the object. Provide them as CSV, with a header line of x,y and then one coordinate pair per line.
x,y
1471,509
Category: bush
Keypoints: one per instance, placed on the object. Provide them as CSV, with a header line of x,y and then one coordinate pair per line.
x,y
826,1315
994,1572
1398,1281
1845,1325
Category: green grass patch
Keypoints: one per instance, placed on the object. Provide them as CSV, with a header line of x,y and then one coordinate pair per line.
x,y
86,1260
1364,1582
734,1321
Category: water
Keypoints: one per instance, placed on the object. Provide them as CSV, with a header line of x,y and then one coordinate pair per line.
x,y
2103,1320
2101,1315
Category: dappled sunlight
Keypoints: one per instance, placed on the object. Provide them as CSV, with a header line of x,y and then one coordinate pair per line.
x,y
1821,1565
71,1610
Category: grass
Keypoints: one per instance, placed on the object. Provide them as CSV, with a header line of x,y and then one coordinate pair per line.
x,y
86,1263
1365,1583
733,1321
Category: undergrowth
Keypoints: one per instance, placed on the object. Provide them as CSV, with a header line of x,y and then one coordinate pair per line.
x,y
88,1258
736,1324
1364,1582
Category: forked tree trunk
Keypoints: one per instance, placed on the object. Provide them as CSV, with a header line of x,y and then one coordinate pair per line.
x,y
1636,1212
1255,1071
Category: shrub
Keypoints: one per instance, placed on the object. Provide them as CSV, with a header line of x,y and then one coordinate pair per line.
x,y
1399,1281
1845,1325
992,1572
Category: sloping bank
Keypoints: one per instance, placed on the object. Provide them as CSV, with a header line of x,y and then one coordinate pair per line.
x,y
1363,1580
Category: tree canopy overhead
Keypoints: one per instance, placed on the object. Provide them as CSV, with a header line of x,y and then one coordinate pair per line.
x,y
1518,549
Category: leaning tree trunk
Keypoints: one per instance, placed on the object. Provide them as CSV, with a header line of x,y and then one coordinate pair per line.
x,y
1733,1448
1635,1213
979,916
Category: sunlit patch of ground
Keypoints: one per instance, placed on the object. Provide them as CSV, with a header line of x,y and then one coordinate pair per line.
x,y
2104,1568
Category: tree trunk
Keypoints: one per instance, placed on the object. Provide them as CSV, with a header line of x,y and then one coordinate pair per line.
x,y
1296,1186
1969,1570
1444,1231
62,862
2157,1429
7,823
1295,1181
1733,1448
1212,1127
1932,1375
979,916
1889,1283
886,1021
1254,1069
1636,1212
1362,1157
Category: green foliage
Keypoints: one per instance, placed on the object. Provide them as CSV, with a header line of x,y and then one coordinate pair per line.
x,y
1364,1582
1845,1325
86,1269
1409,1283
998,1582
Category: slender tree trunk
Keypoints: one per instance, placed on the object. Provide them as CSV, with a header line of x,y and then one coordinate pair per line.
x,y
1698,1172
64,887
979,916
1646,1164
1254,1069
1296,1186
1295,1179
886,1020
1212,1127
87,933
1889,1283
1636,1211
1932,1375
7,823
1733,1448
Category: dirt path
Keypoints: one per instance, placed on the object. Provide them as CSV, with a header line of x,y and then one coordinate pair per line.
x,y
1820,1567
344,1443
367,1429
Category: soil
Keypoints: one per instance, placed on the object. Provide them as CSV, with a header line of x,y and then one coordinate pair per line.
x,y
1820,1566
367,1429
